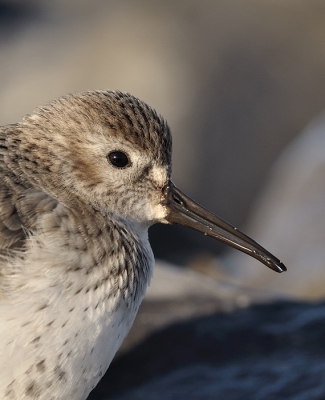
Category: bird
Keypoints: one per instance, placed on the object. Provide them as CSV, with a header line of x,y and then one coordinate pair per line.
x,y
82,180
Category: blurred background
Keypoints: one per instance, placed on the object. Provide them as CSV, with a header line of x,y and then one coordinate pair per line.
x,y
242,85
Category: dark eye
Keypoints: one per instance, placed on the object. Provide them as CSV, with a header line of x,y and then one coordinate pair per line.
x,y
118,159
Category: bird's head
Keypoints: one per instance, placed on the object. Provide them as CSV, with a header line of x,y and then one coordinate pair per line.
x,y
106,148
111,151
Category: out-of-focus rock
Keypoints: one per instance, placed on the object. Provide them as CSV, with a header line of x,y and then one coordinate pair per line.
x,y
264,352
289,219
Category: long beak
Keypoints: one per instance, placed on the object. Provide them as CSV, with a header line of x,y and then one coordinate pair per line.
x,y
184,211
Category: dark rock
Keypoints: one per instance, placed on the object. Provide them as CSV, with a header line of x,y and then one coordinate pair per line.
x,y
264,352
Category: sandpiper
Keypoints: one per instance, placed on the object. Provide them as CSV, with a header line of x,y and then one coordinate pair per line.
x,y
82,179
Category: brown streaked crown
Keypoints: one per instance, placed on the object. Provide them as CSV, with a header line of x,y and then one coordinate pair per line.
x,y
121,113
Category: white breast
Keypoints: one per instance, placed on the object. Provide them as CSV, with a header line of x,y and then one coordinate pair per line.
x,y
60,329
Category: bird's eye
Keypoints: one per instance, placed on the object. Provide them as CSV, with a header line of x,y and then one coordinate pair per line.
x,y
118,159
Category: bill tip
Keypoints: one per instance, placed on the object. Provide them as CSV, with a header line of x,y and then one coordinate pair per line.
x,y
280,267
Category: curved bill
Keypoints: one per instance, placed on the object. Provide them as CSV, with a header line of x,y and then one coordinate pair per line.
x,y
184,211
